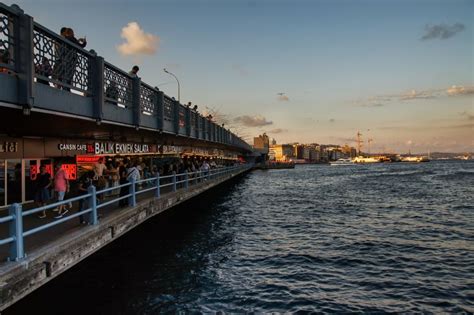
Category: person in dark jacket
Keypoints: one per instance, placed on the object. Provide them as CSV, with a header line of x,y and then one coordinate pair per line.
x,y
43,183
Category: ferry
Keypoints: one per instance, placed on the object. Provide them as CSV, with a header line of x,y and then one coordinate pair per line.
x,y
342,162
361,159
415,159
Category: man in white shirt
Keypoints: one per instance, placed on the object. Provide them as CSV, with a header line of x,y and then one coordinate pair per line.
x,y
99,168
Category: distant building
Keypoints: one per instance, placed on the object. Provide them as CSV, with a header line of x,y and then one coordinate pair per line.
x,y
261,142
282,152
299,151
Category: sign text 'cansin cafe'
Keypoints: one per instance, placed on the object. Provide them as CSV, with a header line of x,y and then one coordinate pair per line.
x,y
106,147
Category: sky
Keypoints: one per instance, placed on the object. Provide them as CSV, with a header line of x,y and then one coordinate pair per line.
x,y
400,72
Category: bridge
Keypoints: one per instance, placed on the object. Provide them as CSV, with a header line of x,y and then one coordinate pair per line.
x,y
63,105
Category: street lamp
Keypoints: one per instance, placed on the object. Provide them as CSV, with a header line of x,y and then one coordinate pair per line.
x,y
164,69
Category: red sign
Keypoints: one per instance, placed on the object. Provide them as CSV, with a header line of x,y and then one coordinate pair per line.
x,y
71,171
87,159
90,148
35,170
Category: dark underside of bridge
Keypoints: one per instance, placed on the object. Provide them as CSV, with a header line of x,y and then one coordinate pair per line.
x,y
14,123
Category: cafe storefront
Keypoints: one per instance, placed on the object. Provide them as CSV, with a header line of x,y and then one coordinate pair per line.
x,y
21,158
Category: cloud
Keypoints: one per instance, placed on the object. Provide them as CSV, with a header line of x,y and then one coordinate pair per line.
x,y
413,94
278,130
458,126
382,100
442,31
137,42
468,115
283,98
255,121
460,90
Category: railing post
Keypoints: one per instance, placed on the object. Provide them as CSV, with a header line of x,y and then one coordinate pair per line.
x,y
187,119
17,251
159,105
186,180
97,81
94,217
136,82
24,53
157,192
132,199
176,116
174,181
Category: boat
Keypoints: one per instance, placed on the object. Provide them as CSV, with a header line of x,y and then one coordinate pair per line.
x,y
362,159
342,162
415,159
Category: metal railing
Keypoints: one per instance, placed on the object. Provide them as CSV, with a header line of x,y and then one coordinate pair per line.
x,y
117,86
7,37
89,204
50,59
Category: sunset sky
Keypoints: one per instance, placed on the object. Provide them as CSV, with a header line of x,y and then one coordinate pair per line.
x,y
401,72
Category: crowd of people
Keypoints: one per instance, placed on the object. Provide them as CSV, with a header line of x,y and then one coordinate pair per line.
x,y
112,175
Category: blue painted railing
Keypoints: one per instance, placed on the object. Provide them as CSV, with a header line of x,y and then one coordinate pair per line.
x,y
16,236
48,67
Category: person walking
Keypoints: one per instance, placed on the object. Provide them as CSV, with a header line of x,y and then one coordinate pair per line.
x,y
100,169
43,183
85,181
123,180
61,186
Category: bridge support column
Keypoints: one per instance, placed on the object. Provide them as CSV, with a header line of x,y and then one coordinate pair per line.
x,y
24,57
160,96
188,121
176,116
136,101
97,79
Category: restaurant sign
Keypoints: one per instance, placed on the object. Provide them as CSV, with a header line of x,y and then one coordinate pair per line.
x,y
119,148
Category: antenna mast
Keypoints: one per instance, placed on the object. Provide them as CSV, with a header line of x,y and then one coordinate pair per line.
x,y
359,142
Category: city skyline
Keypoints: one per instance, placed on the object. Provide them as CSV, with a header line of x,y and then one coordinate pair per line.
x,y
401,72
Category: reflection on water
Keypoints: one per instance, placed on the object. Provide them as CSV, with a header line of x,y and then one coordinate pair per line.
x,y
362,238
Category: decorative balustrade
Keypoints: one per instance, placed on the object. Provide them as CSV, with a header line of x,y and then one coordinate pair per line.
x,y
147,99
168,105
59,61
181,115
117,86
48,59
7,38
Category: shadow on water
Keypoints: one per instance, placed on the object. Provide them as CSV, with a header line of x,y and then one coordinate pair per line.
x,y
142,271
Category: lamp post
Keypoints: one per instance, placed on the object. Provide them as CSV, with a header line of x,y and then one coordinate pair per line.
x,y
164,69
